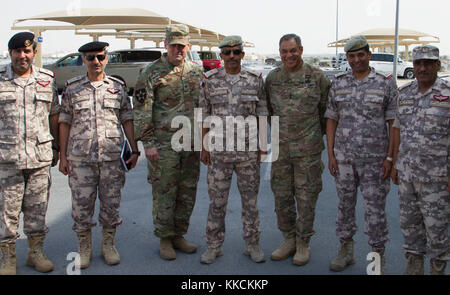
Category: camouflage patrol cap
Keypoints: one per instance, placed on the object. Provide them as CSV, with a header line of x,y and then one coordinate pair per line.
x,y
231,41
425,52
177,34
22,39
355,43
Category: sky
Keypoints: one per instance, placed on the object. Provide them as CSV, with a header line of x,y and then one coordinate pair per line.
x,y
261,22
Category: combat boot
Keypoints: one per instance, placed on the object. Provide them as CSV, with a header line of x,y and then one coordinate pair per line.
x,y
437,267
181,244
415,264
345,256
303,252
255,253
85,248
285,250
166,250
9,259
36,257
109,251
210,255
380,250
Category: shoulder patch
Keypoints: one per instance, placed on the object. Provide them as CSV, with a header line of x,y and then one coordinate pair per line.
x,y
257,74
117,80
47,72
446,83
74,79
208,74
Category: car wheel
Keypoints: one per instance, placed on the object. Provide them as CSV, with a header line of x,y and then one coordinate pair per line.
x,y
409,74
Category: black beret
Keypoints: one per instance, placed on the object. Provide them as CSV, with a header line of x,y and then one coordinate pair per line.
x,y
22,39
93,46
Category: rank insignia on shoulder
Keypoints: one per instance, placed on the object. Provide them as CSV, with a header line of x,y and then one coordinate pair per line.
x,y
441,98
140,95
113,90
43,83
388,76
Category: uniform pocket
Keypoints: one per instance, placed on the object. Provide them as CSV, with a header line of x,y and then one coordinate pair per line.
x,y
219,102
8,116
44,147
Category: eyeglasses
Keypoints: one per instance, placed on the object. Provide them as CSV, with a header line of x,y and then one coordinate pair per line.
x,y
91,57
228,51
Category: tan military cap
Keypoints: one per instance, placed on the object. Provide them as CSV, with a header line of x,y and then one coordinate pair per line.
x,y
425,52
177,34
355,43
231,41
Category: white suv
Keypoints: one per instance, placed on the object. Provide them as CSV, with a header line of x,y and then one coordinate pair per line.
x,y
384,62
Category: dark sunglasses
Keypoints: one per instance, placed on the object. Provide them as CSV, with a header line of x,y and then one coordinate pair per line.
x,y
228,51
91,57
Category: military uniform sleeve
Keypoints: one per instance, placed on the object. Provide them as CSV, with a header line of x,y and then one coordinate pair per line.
x,y
56,106
267,90
332,108
203,101
126,111
391,100
143,109
324,85
261,106
66,113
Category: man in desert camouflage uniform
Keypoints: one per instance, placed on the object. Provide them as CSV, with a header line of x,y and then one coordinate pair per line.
x,y
94,109
168,88
29,109
298,94
227,93
421,154
360,109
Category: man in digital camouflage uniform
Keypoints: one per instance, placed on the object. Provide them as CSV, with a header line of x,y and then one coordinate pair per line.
x,y
297,92
94,109
29,109
421,154
360,110
167,88
232,93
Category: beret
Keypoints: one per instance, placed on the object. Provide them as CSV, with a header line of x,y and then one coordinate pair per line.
x,y
93,46
22,39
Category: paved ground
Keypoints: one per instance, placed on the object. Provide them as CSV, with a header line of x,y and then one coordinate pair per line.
x,y
139,247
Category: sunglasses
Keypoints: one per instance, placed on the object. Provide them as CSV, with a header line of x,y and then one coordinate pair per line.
x,y
228,51
91,57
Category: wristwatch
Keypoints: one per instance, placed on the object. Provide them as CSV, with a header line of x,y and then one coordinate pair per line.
x,y
136,153
389,159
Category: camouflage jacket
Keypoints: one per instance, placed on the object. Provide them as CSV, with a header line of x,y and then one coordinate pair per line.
x,y
95,114
424,123
25,107
361,109
221,97
299,100
163,92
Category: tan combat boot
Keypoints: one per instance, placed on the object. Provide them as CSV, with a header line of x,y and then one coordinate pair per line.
x,y
85,248
166,250
345,256
210,255
181,244
437,267
380,250
109,251
415,264
36,256
285,250
9,259
303,252
255,253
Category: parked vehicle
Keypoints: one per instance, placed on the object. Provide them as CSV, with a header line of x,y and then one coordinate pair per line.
x,y
384,62
211,60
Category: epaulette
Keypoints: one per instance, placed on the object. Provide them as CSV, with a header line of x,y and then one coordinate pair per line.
x,y
446,83
117,80
47,72
405,85
74,79
208,74
339,75
384,75
259,75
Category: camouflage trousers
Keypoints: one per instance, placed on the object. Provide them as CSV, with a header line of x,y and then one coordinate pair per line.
x,y
368,176
174,181
87,180
296,183
425,218
219,182
24,191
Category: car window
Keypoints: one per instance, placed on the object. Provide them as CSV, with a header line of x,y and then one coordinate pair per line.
x,y
140,56
382,57
195,56
113,58
208,55
74,60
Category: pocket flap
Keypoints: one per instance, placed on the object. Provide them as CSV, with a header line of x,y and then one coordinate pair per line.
x,y
44,97
43,138
248,98
8,89
80,98
219,91
112,103
219,99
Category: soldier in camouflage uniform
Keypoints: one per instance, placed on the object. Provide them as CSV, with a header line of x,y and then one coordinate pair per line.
x,y
361,103
227,93
167,88
95,107
298,94
421,153
29,109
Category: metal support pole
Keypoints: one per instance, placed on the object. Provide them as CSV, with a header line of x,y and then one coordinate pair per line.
x,y
396,41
